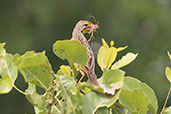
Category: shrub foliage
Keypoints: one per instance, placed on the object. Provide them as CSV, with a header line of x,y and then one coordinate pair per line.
x,y
116,93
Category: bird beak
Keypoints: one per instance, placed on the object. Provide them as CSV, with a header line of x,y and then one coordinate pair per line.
x,y
91,28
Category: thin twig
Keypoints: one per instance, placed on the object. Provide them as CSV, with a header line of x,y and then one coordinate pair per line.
x,y
19,90
167,98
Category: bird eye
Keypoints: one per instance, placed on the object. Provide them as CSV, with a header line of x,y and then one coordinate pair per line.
x,y
86,25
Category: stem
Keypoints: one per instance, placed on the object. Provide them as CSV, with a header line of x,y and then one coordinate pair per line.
x,y
19,90
167,98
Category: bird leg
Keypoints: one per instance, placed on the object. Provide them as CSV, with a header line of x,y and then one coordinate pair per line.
x,y
82,76
81,70
91,76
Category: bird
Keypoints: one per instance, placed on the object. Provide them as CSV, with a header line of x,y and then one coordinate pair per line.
x,y
81,28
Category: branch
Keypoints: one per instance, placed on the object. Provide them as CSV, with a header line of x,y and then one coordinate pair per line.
x,y
167,98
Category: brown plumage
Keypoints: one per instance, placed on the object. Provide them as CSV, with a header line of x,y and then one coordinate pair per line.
x,y
80,29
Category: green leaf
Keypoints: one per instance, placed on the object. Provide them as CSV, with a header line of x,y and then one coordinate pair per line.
x,y
134,84
39,111
136,105
102,110
7,66
33,96
167,110
2,50
31,88
70,94
35,99
5,84
34,59
92,101
118,109
84,86
68,83
38,101
125,60
72,51
111,80
168,73
106,56
36,69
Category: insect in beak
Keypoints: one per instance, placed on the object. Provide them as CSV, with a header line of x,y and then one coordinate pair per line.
x,y
92,30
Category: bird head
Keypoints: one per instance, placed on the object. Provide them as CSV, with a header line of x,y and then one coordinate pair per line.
x,y
85,26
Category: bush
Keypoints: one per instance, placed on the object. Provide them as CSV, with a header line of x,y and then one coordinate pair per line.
x,y
64,94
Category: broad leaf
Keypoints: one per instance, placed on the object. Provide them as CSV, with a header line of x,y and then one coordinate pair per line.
x,y
2,50
168,73
68,83
33,96
39,111
118,110
111,80
167,110
7,66
92,101
134,84
85,87
5,84
102,110
36,69
134,100
35,99
8,70
125,60
72,51
106,56
40,102
70,94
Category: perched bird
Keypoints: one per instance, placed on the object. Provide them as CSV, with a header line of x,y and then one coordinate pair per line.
x,y
80,29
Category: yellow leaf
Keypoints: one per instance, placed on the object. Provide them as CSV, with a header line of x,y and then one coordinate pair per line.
x,y
169,55
125,60
112,43
66,70
168,73
105,44
100,57
109,57
106,57
121,48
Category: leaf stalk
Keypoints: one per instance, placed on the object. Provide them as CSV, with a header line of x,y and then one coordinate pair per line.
x,y
167,98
